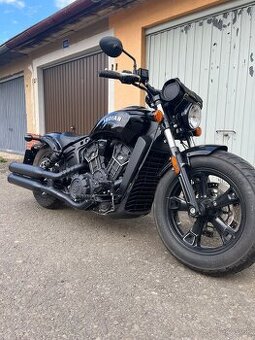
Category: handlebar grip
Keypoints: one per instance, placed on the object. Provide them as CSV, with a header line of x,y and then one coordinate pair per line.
x,y
109,74
125,78
131,78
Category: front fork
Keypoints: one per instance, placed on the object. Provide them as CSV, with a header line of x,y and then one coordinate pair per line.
x,y
183,176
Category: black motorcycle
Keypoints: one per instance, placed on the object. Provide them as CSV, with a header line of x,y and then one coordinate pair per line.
x,y
203,198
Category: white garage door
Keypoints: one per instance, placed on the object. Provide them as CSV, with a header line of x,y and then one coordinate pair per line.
x,y
13,124
214,55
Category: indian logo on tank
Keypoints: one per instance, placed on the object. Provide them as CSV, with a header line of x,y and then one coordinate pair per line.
x,y
111,118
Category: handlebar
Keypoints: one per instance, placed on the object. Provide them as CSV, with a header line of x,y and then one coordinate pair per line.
x,y
131,79
125,78
109,74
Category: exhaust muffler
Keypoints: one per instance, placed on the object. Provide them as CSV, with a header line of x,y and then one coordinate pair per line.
x,y
33,184
37,172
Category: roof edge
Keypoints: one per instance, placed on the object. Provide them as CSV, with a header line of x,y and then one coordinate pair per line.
x,y
3,49
55,19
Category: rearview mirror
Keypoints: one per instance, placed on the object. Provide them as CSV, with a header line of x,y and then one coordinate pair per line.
x,y
111,46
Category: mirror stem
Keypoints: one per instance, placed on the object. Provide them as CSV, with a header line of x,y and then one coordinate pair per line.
x,y
130,56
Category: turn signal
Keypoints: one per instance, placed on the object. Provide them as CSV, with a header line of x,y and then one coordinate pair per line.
x,y
198,132
175,165
158,116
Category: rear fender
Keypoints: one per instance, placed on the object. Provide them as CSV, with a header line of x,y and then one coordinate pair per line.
x,y
51,139
46,140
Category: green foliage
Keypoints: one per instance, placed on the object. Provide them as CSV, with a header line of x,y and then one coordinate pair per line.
x,y
2,160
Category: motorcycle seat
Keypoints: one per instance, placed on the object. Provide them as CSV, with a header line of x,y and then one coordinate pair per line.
x,y
63,139
69,137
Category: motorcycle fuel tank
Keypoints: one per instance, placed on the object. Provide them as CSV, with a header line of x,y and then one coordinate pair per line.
x,y
126,124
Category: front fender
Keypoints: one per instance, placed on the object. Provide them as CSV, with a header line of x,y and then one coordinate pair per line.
x,y
200,150
203,150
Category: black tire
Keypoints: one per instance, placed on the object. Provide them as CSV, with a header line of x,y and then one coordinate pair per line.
x,y
236,252
43,199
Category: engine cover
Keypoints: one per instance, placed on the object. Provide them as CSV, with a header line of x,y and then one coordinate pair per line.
x,y
120,158
104,170
80,187
94,155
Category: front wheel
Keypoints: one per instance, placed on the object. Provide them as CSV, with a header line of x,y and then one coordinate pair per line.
x,y
222,239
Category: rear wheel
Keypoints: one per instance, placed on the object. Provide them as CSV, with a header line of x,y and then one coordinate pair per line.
x,y
42,159
222,240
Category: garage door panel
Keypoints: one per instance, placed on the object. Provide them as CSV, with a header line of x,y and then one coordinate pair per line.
x,y
190,50
74,95
163,50
204,74
250,97
158,71
233,71
182,52
224,64
215,106
213,56
13,115
169,53
243,83
175,52
196,65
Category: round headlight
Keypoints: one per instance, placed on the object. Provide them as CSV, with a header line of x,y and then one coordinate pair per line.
x,y
194,116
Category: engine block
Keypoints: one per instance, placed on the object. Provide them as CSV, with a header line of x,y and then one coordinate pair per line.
x,y
120,158
95,156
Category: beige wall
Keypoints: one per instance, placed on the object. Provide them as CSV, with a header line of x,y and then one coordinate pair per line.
x,y
129,26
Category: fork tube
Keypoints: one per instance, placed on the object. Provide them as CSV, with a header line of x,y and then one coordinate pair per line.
x,y
183,176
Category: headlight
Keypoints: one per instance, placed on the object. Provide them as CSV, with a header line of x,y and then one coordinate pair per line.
x,y
194,116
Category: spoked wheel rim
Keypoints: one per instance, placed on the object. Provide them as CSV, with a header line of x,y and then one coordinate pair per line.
x,y
44,163
221,224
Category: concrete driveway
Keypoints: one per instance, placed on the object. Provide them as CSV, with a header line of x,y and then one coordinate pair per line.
x,y
73,275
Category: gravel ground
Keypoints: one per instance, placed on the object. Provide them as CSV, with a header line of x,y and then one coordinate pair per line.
x,y
70,274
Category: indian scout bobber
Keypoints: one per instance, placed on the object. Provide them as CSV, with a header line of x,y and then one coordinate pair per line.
x,y
203,198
